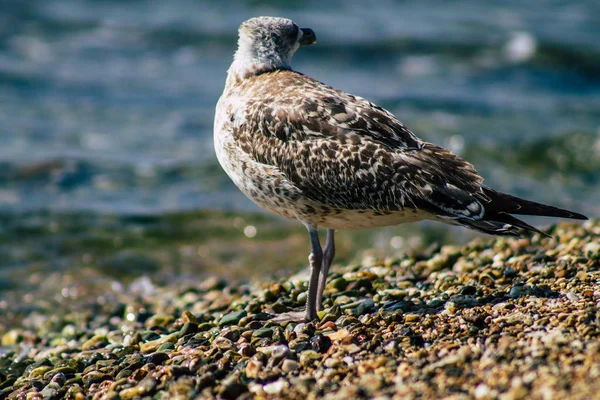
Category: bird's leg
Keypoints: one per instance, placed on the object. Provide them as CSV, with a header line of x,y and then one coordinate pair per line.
x,y
315,260
328,254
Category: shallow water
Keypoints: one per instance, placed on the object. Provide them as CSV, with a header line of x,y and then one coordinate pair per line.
x,y
106,110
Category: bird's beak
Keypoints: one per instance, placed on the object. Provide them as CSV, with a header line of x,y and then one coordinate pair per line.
x,y
308,37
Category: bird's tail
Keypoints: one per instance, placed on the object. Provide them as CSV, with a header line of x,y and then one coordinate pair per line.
x,y
498,221
502,202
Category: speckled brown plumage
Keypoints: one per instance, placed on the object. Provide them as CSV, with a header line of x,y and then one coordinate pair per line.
x,y
343,153
307,151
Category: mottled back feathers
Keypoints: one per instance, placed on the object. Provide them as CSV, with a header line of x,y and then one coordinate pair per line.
x,y
345,152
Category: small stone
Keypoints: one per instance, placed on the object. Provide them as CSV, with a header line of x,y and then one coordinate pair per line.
x,y
515,291
486,279
50,391
188,328
308,356
153,345
339,335
332,363
320,343
289,365
95,342
341,300
232,389
276,387
233,333
482,391
247,350
124,373
166,347
95,377
39,371
263,333
222,343
159,320
253,368
468,290
150,336
146,386
339,284
189,317
573,297
352,348
371,382
364,307
206,326
280,352
158,358
412,318
592,250
11,338
232,318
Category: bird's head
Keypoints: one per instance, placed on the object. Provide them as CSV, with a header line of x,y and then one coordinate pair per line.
x,y
268,43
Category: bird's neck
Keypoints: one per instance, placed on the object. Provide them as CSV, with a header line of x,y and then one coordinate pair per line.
x,y
249,61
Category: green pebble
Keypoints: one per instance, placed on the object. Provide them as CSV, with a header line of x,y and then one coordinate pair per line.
x,y
63,370
166,347
95,342
307,356
125,373
269,296
188,328
39,371
124,351
339,284
159,320
94,377
263,333
206,326
232,318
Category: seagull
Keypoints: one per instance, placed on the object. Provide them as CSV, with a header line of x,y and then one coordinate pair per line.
x,y
306,151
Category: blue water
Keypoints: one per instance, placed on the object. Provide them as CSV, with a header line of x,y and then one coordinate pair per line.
x,y
106,107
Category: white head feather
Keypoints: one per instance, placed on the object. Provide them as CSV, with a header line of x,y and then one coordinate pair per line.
x,y
266,44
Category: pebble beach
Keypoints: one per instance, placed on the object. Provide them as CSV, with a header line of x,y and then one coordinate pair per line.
x,y
132,267
491,319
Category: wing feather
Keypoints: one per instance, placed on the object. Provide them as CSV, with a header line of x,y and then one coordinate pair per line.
x,y
345,152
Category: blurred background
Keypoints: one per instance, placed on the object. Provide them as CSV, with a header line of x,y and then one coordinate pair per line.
x,y
107,166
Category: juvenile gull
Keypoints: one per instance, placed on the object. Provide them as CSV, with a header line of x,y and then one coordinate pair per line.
x,y
304,150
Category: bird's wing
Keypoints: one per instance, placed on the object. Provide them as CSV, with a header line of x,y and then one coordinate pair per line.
x,y
345,152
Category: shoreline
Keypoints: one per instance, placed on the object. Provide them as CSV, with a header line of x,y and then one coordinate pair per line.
x,y
495,318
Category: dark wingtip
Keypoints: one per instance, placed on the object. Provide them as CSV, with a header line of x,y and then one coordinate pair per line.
x,y
578,216
506,203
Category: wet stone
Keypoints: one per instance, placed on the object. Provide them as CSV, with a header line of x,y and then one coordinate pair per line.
x,y
232,389
320,343
232,318
188,328
263,333
420,333
206,326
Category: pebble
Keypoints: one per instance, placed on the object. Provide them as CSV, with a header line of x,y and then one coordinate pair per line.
x,y
495,318
289,366
232,318
276,387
